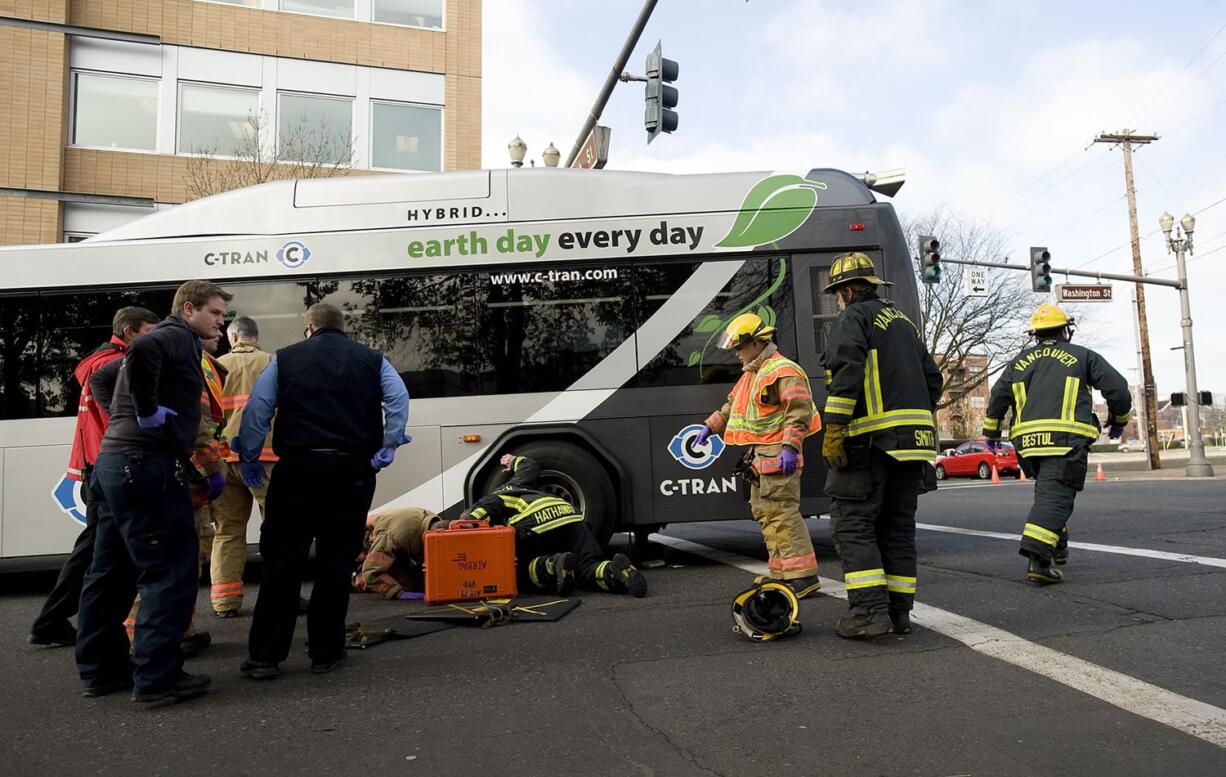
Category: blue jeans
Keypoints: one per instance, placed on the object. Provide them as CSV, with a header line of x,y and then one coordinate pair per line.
x,y
146,542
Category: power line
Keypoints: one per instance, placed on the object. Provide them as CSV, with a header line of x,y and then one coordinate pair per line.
x,y
1025,188
1147,236
1053,185
1186,87
1182,70
1053,200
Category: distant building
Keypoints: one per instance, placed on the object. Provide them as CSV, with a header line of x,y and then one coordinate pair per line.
x,y
962,418
103,102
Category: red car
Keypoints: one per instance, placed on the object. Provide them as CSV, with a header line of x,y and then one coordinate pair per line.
x,y
973,459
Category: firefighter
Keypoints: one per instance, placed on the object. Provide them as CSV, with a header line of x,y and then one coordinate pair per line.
x,y
771,410
232,510
1048,386
391,564
882,389
560,549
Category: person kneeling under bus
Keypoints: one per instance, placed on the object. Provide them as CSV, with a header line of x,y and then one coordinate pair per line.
x,y
391,563
556,548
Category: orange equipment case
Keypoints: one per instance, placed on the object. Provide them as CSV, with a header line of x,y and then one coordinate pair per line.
x,y
469,560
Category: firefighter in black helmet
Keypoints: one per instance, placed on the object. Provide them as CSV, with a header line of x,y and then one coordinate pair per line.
x,y
1048,387
882,388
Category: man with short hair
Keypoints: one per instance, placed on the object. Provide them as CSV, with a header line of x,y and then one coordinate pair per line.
x,y
882,389
52,628
341,413
232,510
1047,386
146,531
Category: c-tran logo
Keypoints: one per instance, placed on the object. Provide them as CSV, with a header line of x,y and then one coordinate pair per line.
x,y
67,496
293,254
684,448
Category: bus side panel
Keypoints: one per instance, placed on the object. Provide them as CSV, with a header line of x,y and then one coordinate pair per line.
x,y
39,527
626,439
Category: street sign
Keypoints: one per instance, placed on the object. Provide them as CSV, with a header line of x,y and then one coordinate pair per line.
x,y
1085,292
594,153
975,281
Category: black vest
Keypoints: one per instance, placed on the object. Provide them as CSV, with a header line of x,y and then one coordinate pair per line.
x,y
328,397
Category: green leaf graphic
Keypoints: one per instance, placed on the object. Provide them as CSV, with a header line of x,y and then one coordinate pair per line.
x,y
772,210
695,357
708,324
767,314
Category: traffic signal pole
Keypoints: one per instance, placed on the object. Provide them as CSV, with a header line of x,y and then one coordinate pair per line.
x,y
1080,273
610,81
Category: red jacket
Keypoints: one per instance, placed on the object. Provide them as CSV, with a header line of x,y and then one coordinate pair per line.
x,y
91,418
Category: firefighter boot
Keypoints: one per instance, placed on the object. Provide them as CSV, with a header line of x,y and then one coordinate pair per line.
x,y
618,575
553,573
1061,554
900,621
862,623
1041,571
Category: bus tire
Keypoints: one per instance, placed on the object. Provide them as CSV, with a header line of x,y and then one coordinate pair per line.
x,y
570,472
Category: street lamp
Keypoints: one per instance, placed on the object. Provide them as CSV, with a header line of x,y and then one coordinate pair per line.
x,y
518,148
1181,243
551,155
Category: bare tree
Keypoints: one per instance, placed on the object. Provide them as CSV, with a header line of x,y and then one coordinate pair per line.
x,y
303,150
956,326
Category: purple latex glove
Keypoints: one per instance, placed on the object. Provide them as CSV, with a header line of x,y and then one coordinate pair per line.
x,y
789,460
383,457
702,436
406,596
157,420
1115,432
216,484
992,445
253,474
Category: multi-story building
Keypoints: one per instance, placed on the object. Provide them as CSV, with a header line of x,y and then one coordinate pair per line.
x,y
967,388
110,109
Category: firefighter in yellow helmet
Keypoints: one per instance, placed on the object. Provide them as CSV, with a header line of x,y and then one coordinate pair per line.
x,y
882,388
1048,387
771,410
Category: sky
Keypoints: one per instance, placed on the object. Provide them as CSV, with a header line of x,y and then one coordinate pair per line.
x,y
991,108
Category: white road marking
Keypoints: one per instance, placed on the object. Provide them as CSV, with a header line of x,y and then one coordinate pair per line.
x,y
1190,716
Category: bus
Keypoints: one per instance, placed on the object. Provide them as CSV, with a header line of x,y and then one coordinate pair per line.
x,y
567,315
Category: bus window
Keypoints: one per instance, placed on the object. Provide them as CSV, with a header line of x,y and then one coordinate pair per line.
x,y
761,286
541,329
18,356
278,309
825,308
422,324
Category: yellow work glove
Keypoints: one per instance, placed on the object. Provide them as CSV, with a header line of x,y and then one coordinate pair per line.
x,y
832,446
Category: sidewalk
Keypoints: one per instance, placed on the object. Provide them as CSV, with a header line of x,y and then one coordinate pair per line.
x,y
1134,466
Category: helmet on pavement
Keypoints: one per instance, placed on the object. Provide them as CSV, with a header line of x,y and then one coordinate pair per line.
x,y
767,610
1049,317
852,267
743,329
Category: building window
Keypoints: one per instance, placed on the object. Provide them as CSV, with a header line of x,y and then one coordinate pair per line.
x,y
411,13
340,9
315,129
407,137
217,120
244,3
114,111
77,237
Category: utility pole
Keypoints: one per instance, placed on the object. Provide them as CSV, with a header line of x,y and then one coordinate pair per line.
x,y
1126,139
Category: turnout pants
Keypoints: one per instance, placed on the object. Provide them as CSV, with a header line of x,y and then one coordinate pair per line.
x,y
231,512
873,521
146,541
62,602
312,497
1057,479
574,538
775,503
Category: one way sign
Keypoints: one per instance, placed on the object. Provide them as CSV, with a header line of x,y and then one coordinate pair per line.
x,y
975,281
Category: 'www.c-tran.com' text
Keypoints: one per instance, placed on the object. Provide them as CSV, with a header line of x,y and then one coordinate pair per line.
x,y
550,276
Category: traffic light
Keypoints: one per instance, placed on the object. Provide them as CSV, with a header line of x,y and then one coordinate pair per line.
x,y
930,259
1180,399
1040,269
660,97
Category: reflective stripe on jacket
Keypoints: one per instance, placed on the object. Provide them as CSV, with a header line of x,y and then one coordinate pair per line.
x,y
244,364
210,445
519,505
1048,386
881,381
771,404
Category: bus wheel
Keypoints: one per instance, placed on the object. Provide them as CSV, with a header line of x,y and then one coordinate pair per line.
x,y
569,472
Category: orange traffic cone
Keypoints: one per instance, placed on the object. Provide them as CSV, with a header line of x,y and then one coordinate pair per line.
x,y
1021,474
995,475
1099,474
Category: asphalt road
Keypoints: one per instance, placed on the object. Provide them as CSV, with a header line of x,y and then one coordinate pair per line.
x,y
662,686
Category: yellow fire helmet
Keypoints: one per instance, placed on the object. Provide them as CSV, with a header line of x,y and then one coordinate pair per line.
x,y
851,267
1049,317
743,329
766,611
